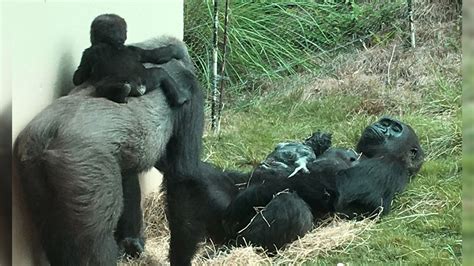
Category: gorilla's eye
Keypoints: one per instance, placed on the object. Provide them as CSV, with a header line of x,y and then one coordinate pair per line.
x,y
385,122
352,159
413,153
397,128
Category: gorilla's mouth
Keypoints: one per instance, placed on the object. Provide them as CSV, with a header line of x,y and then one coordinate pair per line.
x,y
373,134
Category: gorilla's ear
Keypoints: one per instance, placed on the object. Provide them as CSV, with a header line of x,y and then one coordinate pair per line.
x,y
415,158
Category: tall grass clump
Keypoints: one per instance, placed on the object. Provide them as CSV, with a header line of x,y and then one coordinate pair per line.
x,y
274,39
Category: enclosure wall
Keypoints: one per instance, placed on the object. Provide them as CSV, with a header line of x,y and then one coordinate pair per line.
x,y
42,42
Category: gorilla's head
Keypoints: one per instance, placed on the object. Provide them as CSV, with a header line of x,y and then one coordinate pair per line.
x,y
392,139
110,29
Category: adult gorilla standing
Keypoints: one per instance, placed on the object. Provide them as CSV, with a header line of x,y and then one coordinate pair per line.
x,y
79,160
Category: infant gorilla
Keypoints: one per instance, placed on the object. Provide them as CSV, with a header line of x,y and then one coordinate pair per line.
x,y
289,158
288,163
117,70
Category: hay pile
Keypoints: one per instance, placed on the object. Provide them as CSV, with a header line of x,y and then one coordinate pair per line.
x,y
333,235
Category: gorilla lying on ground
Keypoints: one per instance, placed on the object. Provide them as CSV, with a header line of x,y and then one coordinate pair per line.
x,y
274,209
78,162
390,154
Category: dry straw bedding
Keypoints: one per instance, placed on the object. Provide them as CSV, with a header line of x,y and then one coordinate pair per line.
x,y
333,235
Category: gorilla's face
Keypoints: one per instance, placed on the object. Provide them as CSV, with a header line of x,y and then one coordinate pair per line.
x,y
389,137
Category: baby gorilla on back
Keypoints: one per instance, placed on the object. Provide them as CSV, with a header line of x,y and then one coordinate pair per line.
x,y
117,70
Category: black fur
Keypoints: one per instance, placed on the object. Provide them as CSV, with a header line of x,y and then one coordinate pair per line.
x,y
117,70
287,156
204,198
79,158
196,204
339,181
286,216
319,142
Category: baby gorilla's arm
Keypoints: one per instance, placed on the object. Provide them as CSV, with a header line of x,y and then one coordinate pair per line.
x,y
319,142
84,69
159,55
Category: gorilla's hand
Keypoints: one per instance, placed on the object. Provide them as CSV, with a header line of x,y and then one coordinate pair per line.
x,y
319,142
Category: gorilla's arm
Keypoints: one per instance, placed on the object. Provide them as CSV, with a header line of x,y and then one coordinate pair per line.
x,y
129,231
242,208
196,203
84,69
371,184
319,142
315,188
278,165
158,55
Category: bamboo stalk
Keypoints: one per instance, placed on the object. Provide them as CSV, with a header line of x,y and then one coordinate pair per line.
x,y
214,70
412,23
222,71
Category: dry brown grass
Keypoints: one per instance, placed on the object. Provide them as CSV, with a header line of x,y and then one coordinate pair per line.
x,y
390,78
393,76
332,235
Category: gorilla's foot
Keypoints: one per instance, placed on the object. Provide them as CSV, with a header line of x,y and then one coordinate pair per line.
x,y
179,97
141,89
132,247
182,100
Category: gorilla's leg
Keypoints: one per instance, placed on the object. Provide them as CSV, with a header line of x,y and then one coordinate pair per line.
x,y
185,212
182,160
74,203
242,208
129,228
281,221
114,89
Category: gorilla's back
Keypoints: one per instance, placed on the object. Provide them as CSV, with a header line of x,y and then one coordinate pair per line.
x,y
135,133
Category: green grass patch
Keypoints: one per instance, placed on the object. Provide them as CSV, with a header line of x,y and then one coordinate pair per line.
x,y
271,39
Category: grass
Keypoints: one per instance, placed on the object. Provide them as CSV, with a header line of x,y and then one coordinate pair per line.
x,y
276,38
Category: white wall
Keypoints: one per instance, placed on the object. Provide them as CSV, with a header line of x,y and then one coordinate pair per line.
x,y
42,42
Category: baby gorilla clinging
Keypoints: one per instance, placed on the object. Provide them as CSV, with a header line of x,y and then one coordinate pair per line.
x,y
117,70
289,158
